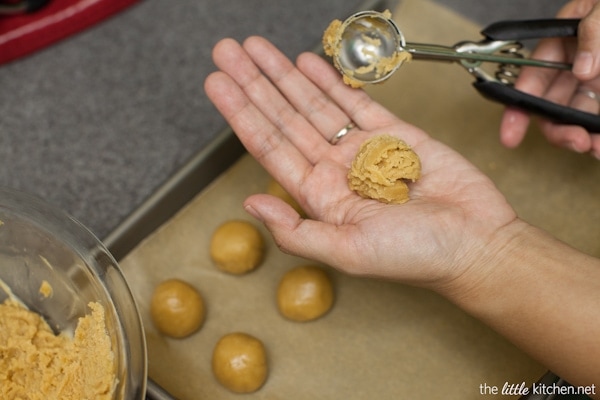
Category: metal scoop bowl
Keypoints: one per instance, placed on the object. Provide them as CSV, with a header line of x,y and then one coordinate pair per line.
x,y
369,47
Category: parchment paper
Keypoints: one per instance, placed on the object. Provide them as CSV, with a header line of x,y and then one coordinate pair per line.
x,y
381,340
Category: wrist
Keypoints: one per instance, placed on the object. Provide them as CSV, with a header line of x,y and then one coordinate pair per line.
x,y
538,292
487,265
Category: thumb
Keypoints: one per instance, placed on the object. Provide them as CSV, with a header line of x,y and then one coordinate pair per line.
x,y
586,64
294,235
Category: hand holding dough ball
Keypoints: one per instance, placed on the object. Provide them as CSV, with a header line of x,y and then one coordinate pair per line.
x,y
275,189
239,362
177,309
237,247
305,293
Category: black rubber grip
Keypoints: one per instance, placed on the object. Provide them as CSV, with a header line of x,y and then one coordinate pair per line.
x,y
510,96
531,29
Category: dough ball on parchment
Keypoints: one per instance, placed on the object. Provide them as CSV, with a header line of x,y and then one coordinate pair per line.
x,y
177,308
305,293
237,247
381,168
239,362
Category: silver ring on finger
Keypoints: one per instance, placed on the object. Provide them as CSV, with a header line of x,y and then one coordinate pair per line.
x,y
589,93
342,132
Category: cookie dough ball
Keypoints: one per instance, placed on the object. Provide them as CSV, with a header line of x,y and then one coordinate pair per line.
x,y
275,189
305,293
176,308
237,247
381,167
239,362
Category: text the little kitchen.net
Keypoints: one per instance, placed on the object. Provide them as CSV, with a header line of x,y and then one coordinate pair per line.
x,y
522,389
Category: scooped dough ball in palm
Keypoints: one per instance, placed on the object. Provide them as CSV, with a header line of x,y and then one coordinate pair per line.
x,y
381,169
305,293
176,308
239,362
237,247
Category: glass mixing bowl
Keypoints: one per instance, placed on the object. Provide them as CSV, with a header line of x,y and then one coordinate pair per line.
x,y
41,243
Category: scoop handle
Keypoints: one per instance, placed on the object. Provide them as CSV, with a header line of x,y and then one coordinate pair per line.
x,y
531,29
510,96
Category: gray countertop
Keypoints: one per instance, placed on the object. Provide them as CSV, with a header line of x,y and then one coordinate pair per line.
x,y
97,122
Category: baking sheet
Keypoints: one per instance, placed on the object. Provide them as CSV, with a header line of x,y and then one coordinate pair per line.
x,y
381,340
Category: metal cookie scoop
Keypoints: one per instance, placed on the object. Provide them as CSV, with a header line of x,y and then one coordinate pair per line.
x,y
370,47
367,40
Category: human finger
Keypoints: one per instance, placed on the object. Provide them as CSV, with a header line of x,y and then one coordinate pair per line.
x,y
514,123
536,81
563,88
308,238
586,63
586,99
364,111
234,60
513,126
260,137
572,137
314,105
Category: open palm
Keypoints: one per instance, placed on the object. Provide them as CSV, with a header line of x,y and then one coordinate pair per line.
x,y
286,114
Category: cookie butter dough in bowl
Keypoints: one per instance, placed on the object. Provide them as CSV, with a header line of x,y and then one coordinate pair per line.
x,y
69,327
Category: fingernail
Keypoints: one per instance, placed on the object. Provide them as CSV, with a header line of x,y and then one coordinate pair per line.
x,y
583,63
252,211
573,146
